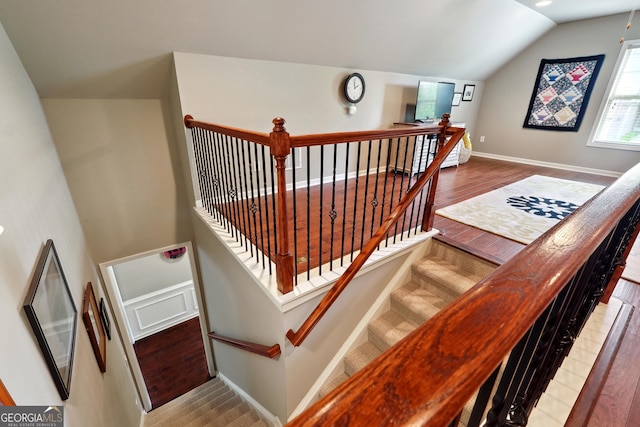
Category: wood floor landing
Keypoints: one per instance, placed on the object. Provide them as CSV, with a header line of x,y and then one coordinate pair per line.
x,y
172,361
618,402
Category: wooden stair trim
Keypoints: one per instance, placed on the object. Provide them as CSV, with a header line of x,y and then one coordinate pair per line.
x,y
5,397
260,349
469,250
582,409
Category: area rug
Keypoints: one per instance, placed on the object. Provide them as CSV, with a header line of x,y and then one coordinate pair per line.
x,y
524,210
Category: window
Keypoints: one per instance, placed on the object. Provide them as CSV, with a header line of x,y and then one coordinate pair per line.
x,y
618,125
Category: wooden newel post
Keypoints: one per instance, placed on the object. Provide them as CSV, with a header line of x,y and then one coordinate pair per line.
x,y
430,209
280,148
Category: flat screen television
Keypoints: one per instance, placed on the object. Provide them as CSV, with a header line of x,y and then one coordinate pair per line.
x,y
434,99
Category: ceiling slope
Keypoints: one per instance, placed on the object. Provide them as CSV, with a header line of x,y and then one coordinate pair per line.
x,y
122,49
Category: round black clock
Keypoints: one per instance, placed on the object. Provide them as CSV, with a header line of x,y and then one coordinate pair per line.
x,y
354,88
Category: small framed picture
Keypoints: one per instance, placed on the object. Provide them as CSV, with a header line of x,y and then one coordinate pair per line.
x,y
467,93
456,99
94,327
106,322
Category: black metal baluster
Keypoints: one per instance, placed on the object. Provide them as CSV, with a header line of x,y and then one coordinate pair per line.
x,y
209,154
333,214
214,179
404,166
195,138
425,190
409,180
206,191
241,202
263,249
253,207
266,205
224,188
366,192
308,212
344,205
248,230
232,190
321,209
375,202
413,204
395,179
384,192
295,216
355,201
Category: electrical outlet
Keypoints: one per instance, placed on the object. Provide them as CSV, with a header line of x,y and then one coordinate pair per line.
x,y
482,139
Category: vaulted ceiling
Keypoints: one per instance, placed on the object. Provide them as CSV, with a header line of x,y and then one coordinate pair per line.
x,y
122,49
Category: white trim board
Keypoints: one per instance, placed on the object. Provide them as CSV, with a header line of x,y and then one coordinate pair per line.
x,y
547,164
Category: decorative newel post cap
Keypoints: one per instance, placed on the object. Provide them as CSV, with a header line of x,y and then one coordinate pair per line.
x,y
278,124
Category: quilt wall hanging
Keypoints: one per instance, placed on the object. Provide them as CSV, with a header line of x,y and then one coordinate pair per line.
x,y
561,93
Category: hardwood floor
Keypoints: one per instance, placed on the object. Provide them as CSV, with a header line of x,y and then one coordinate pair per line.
x,y
618,402
172,361
479,176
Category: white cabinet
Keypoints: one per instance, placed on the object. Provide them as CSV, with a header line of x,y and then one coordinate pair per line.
x,y
415,155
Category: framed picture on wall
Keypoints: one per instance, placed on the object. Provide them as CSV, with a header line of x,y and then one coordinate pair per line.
x,y
457,96
467,93
93,325
53,317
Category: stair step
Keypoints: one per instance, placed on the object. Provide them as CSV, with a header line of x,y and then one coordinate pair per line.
x,y
388,329
246,419
360,357
232,413
328,387
471,263
446,280
416,303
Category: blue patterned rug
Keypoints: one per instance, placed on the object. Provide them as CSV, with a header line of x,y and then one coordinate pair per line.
x,y
524,210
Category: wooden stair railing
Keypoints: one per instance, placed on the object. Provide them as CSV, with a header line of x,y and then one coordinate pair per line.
x,y
531,308
260,349
280,144
5,397
352,270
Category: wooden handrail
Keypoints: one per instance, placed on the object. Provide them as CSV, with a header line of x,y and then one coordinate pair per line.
x,y
343,281
281,142
428,377
5,397
259,137
262,350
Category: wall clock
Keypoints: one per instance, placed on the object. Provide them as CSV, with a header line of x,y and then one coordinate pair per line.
x,y
354,88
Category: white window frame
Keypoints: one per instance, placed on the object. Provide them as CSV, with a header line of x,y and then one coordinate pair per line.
x,y
620,145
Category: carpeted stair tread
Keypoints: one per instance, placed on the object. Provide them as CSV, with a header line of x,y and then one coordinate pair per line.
x,y
436,280
472,264
195,413
329,386
232,412
247,419
213,386
446,280
360,357
416,303
212,404
388,329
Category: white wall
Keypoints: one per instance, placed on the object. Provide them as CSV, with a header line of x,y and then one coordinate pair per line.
x,y
151,273
36,206
250,93
125,180
508,92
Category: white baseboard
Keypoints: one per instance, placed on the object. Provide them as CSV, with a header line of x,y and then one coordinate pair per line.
x,y
547,164
275,421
